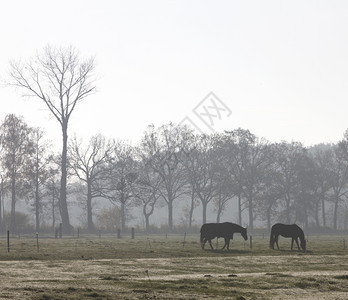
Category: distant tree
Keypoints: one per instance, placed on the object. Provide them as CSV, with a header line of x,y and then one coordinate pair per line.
x,y
203,171
17,149
121,179
321,155
89,166
52,207
339,176
307,189
287,157
161,147
189,160
60,80
232,149
250,162
39,173
146,190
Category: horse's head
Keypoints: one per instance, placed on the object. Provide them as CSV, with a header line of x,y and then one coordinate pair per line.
x,y
303,245
244,233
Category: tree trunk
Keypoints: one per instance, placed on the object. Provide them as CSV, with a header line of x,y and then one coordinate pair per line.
x,y
170,214
323,211
123,215
13,204
63,206
204,204
251,214
335,213
240,209
191,208
147,222
90,225
37,204
53,215
287,212
269,217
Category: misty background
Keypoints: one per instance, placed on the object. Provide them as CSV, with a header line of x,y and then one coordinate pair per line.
x,y
279,67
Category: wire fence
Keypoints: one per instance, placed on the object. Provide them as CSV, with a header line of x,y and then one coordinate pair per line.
x,y
106,245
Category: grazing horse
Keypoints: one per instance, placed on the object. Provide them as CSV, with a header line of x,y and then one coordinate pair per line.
x,y
210,231
284,230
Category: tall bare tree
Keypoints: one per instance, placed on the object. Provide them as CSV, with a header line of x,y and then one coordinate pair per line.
x,y
61,80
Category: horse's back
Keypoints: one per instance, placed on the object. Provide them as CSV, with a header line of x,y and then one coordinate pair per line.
x,y
211,230
286,230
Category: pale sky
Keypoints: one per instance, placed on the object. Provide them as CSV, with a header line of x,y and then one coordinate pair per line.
x,y
280,67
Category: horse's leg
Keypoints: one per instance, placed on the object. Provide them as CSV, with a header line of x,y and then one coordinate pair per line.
x,y
203,242
298,246
225,244
292,243
276,240
211,246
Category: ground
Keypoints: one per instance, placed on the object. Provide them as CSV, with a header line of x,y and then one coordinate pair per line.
x,y
156,267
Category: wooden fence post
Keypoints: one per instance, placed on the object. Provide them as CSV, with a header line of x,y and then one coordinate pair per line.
x,y
183,243
78,232
251,242
133,234
60,230
118,233
99,234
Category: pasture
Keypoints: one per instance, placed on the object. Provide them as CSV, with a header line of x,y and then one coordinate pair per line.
x,y
160,267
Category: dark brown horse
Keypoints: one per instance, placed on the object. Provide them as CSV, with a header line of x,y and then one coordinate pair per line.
x,y
284,230
226,230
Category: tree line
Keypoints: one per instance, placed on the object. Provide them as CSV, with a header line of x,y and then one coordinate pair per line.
x,y
171,164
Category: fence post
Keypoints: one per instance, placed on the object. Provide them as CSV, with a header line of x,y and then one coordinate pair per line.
x,y
37,241
118,233
251,242
99,234
344,244
60,230
8,241
183,243
133,234
78,232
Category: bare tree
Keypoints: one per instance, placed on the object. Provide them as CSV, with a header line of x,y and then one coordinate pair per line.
x,y
60,80
89,166
146,190
162,149
121,179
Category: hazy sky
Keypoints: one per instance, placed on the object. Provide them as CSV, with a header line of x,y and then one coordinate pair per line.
x,y
280,67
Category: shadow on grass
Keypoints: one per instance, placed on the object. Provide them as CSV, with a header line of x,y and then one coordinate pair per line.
x,y
231,251
293,251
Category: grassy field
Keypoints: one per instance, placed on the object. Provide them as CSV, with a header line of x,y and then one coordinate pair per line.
x,y
156,267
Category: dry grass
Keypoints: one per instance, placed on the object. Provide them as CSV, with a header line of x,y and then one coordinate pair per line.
x,y
159,268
